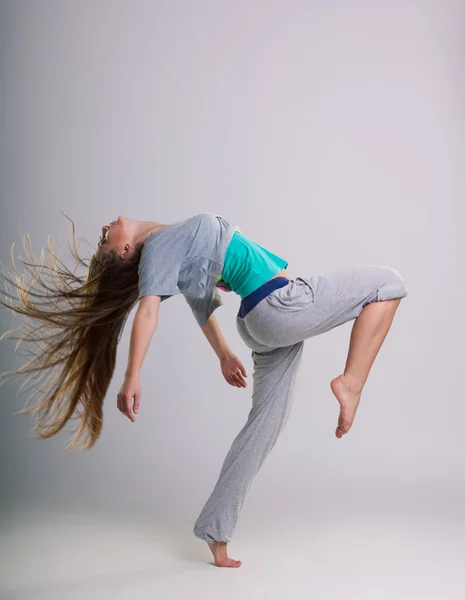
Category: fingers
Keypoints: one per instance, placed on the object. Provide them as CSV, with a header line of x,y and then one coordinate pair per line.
x,y
136,403
237,380
233,371
128,412
239,375
124,405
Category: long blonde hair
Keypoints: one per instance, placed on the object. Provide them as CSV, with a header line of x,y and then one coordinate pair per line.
x,y
79,321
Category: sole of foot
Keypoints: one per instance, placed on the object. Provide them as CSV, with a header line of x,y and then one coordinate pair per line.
x,y
348,400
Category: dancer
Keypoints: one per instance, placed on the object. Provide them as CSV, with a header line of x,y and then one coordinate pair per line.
x,y
148,262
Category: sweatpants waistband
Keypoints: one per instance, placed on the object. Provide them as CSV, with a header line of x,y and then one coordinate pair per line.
x,y
257,295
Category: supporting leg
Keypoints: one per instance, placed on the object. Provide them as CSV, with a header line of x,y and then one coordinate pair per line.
x,y
273,378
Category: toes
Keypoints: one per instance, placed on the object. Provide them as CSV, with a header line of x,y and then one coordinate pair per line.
x,y
233,563
228,562
340,432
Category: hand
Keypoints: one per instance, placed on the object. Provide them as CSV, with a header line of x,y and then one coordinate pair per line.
x,y
233,371
129,390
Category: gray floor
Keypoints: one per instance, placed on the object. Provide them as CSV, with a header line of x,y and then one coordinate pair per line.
x,y
62,556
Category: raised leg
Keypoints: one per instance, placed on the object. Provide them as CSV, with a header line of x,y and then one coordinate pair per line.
x,y
368,334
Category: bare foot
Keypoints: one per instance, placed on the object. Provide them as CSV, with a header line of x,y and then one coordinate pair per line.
x,y
220,554
349,399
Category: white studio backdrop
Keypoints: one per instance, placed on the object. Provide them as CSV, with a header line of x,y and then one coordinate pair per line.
x,y
332,134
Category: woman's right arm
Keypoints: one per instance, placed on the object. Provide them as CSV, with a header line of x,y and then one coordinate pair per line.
x,y
143,327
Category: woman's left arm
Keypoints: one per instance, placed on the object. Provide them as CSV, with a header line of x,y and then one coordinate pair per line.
x,y
232,368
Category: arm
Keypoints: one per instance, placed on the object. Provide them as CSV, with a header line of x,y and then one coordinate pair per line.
x,y
215,338
232,368
143,328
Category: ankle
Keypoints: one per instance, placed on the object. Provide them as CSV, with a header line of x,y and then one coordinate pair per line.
x,y
218,544
354,384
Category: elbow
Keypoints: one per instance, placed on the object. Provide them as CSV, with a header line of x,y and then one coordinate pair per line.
x,y
149,306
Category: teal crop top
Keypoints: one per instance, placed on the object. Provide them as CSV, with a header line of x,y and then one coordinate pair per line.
x,y
247,265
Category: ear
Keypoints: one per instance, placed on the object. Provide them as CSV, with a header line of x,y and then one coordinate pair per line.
x,y
126,251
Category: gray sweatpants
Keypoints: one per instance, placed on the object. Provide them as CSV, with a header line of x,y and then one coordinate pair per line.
x,y
275,330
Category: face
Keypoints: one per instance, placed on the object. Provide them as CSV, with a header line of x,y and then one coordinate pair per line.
x,y
113,235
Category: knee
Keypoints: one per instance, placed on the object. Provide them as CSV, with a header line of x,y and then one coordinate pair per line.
x,y
393,286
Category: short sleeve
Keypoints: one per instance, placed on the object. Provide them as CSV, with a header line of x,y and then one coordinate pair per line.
x,y
203,307
158,273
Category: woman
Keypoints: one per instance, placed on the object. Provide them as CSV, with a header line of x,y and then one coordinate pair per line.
x,y
148,262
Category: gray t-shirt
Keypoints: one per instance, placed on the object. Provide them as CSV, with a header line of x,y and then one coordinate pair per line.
x,y
187,258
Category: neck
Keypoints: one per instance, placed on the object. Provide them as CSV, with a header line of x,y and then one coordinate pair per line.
x,y
146,229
